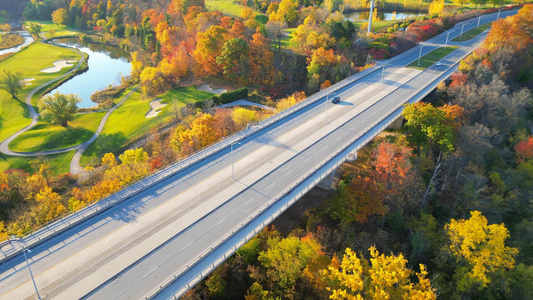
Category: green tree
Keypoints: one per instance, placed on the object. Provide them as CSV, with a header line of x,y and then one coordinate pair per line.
x,y
35,29
231,57
59,108
428,124
11,82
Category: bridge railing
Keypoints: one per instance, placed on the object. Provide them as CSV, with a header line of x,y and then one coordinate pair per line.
x,y
383,122
63,223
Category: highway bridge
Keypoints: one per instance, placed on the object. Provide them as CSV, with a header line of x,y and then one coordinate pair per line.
x,y
161,236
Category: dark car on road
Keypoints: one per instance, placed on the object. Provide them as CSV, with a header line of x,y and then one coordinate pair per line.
x,y
336,100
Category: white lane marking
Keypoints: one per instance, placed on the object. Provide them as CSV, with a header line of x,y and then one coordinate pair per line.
x,y
221,221
150,272
289,172
187,245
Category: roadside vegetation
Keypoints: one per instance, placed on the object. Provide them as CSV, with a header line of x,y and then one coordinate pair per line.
x,y
470,34
412,196
431,58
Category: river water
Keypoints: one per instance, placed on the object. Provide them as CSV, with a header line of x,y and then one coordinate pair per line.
x,y
383,16
27,40
106,65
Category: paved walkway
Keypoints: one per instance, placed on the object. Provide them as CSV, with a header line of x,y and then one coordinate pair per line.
x,y
4,146
75,167
243,102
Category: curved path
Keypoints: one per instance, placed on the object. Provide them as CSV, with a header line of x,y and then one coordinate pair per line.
x,y
75,167
4,146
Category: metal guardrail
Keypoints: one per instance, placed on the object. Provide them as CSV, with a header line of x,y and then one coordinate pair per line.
x,y
63,223
391,115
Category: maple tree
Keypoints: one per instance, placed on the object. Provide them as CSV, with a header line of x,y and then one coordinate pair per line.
x,y
384,277
524,150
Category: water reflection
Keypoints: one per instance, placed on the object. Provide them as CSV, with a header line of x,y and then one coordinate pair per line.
x,y
106,64
384,16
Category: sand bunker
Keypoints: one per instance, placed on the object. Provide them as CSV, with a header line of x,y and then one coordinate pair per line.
x,y
207,88
27,81
156,108
58,65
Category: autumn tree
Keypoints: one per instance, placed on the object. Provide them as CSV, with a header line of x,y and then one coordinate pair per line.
x,y
524,150
59,108
436,7
200,133
285,260
208,48
361,199
11,82
428,124
60,16
261,60
242,116
384,277
479,249
234,58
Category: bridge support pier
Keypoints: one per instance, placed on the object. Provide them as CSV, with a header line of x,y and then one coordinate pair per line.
x,y
397,124
327,182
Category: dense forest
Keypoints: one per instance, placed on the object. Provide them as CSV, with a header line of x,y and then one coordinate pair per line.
x,y
440,208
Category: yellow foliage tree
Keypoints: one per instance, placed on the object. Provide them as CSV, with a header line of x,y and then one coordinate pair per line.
x,y
49,207
201,133
3,232
385,277
481,247
436,7
242,116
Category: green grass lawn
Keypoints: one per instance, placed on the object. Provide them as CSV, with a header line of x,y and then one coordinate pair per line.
x,y
62,33
45,136
429,59
227,7
128,122
286,39
470,34
30,61
59,163
47,25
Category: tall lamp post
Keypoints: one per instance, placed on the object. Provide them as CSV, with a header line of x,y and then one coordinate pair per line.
x,y
446,44
462,29
383,72
231,156
326,109
420,53
478,20
498,17
15,239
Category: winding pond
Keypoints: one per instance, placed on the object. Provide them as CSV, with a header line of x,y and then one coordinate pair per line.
x,y
106,65
382,15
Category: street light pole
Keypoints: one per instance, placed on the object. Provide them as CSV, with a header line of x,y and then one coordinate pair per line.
x,y
27,263
326,109
498,17
446,44
231,156
478,20
382,73
462,29
420,54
